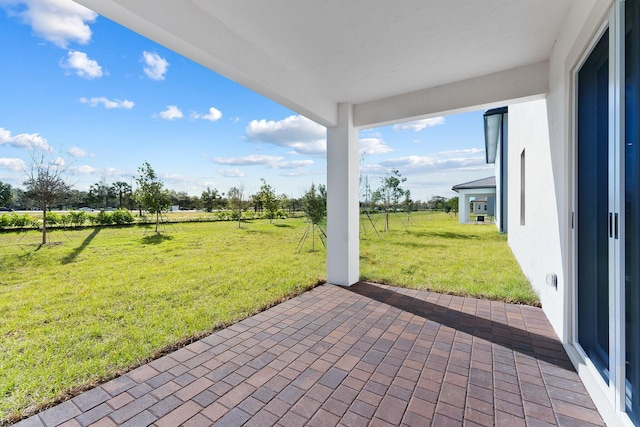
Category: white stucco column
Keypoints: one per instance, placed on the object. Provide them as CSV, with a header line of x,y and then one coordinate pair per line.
x,y
464,199
343,200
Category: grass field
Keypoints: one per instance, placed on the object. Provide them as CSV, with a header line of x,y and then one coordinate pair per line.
x,y
98,301
435,252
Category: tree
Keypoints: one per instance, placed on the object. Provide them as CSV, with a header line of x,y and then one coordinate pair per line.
x,y
45,183
151,193
181,198
209,198
451,205
122,190
270,202
389,194
6,194
256,202
436,202
236,200
314,206
100,194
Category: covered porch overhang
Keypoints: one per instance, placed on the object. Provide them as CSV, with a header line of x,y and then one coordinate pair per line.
x,y
355,65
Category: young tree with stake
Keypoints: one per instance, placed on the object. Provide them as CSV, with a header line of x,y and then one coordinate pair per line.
x,y
45,183
152,195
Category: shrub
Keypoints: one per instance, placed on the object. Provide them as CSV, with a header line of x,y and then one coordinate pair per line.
x,y
104,218
65,220
24,220
53,218
5,221
77,218
122,216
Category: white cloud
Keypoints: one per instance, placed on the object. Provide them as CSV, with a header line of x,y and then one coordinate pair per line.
x,y
374,146
24,140
108,103
84,170
83,66
297,132
294,164
79,152
424,164
463,151
231,173
213,116
155,66
58,21
273,162
172,112
418,125
250,160
59,161
12,164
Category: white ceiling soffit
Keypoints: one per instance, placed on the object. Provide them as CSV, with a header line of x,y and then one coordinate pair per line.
x,y
310,55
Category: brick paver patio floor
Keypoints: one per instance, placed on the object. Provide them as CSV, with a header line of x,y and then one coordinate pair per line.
x,y
365,355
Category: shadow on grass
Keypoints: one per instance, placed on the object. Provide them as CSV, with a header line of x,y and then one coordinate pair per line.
x,y
417,245
284,225
444,235
73,255
156,239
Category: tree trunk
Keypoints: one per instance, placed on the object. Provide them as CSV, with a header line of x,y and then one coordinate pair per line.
x,y
157,221
386,221
44,225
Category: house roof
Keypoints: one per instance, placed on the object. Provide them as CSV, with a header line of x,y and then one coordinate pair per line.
x,y
479,200
488,182
392,61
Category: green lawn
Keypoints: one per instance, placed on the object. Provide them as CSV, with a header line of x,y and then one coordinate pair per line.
x,y
435,252
98,301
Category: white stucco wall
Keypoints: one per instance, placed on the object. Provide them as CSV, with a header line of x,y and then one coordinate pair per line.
x,y
544,130
536,244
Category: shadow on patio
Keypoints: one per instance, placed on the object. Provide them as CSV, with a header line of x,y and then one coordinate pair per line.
x,y
368,354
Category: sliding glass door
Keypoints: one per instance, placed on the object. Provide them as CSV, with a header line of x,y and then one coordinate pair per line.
x,y
593,206
632,209
607,208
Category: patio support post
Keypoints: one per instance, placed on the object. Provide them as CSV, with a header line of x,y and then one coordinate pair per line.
x,y
343,200
464,200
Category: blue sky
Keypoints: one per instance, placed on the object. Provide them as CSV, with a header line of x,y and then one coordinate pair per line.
x,y
104,100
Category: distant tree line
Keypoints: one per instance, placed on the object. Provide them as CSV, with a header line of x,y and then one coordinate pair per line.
x,y
389,197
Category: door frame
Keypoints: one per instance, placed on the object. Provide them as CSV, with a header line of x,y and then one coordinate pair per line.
x,y
614,391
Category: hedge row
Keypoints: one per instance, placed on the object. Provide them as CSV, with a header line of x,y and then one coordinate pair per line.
x,y
121,217
72,219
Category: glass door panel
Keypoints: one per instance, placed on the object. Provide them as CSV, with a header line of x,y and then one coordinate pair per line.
x,y
593,206
632,208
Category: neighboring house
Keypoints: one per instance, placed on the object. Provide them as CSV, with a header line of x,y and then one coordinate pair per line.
x,y
481,207
569,70
473,192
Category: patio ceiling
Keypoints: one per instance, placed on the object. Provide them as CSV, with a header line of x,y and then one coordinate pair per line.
x,y
392,60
